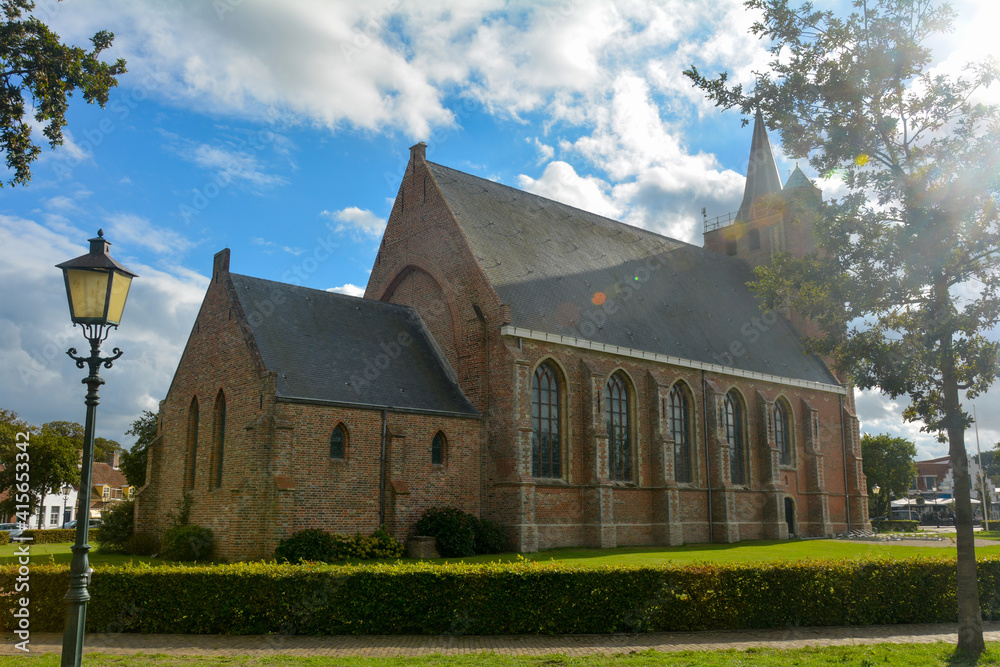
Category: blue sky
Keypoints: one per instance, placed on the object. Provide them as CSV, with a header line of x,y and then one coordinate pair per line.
x,y
280,130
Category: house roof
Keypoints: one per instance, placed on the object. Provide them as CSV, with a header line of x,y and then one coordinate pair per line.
x,y
798,179
551,263
762,172
105,474
336,348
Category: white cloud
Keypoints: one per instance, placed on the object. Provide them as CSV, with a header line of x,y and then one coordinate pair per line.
x,y
348,289
359,222
545,152
561,182
35,333
236,165
139,231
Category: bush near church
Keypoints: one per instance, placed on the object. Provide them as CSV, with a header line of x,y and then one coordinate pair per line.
x,y
460,534
117,528
504,598
314,545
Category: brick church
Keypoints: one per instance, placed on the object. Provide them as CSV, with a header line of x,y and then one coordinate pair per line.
x,y
580,381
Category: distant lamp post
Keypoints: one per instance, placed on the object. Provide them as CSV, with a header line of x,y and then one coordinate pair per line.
x,y
878,509
65,493
97,287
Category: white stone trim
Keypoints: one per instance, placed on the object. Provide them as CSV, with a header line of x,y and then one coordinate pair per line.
x,y
570,341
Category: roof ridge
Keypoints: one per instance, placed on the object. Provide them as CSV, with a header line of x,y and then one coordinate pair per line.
x,y
328,293
622,223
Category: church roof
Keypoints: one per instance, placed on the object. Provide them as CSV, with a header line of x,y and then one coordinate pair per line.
x,y
335,348
798,179
762,172
553,264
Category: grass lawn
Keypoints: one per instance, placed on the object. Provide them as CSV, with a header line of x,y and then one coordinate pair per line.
x,y
897,655
689,553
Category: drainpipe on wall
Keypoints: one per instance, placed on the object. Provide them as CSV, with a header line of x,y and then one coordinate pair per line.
x,y
843,443
708,466
381,475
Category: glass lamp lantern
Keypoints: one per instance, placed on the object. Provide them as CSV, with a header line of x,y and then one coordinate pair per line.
x,y
96,285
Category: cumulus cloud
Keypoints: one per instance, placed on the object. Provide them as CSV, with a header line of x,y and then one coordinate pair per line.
x,y
357,221
348,289
35,332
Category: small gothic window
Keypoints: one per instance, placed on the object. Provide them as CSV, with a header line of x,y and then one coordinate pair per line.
x,y
680,430
753,238
736,436
782,436
546,443
437,449
731,248
192,442
338,440
619,431
220,435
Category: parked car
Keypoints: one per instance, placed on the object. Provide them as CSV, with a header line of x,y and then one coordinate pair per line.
x,y
905,515
11,528
94,523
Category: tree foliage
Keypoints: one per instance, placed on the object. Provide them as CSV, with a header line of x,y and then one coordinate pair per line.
x,y
104,448
45,463
133,462
888,464
905,283
38,75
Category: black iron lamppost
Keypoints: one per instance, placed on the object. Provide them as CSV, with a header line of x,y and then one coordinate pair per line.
x,y
65,494
96,287
878,507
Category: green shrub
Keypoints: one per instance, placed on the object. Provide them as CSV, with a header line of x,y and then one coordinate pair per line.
x,y
4,537
897,525
118,527
58,535
143,544
491,537
306,545
188,542
317,546
461,534
991,525
504,598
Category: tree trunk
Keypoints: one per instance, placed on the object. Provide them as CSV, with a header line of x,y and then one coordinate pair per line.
x,y
970,619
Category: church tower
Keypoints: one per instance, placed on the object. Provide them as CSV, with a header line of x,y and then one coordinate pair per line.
x,y
771,218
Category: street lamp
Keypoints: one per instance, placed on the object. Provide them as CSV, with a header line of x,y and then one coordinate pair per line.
x,y
878,513
96,287
65,494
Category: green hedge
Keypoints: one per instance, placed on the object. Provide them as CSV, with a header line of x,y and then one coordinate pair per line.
x,y
58,535
897,525
510,598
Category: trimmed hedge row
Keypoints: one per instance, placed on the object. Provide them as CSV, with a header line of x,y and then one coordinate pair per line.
x,y
58,535
508,598
897,525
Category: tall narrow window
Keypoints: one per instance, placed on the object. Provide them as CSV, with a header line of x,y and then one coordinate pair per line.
x,y
437,449
192,442
733,423
220,436
782,433
338,440
619,431
680,429
546,417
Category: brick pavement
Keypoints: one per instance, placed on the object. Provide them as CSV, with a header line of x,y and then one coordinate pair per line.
x,y
571,645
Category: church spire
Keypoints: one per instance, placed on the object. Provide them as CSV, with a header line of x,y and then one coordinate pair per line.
x,y
762,172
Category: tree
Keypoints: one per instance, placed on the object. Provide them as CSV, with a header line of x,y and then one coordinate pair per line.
x,y
888,464
35,63
103,448
48,459
905,282
133,463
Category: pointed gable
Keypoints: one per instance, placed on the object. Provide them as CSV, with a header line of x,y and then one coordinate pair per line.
x,y
762,172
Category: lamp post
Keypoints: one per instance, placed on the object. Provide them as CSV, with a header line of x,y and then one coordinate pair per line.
x,y
876,489
96,287
65,492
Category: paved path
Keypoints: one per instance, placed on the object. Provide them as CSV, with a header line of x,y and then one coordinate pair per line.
x,y
572,645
